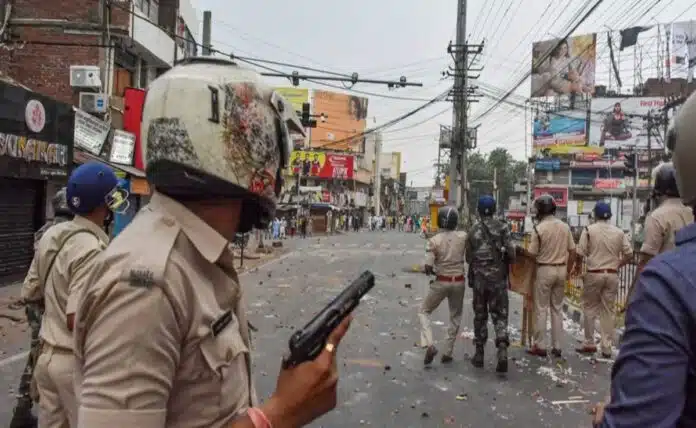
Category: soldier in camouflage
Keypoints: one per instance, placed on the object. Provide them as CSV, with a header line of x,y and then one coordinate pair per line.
x,y
32,297
489,251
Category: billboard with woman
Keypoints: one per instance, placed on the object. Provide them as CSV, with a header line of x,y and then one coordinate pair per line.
x,y
345,121
620,123
561,67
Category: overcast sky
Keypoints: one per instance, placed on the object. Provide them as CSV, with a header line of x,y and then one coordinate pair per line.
x,y
386,39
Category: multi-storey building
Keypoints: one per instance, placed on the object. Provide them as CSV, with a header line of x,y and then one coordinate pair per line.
x,y
56,56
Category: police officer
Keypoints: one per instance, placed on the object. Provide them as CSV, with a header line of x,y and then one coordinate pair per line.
x,y
553,247
444,257
161,334
65,256
33,300
605,248
654,376
489,251
662,224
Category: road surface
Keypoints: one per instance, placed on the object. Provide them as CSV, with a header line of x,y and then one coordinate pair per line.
x,y
383,381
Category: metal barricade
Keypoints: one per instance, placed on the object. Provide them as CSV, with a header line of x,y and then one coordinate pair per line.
x,y
573,291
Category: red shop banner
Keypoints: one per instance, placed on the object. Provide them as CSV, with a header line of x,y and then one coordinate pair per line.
x,y
322,164
608,183
560,194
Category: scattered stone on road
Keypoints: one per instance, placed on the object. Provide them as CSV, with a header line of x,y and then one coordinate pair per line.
x,y
383,381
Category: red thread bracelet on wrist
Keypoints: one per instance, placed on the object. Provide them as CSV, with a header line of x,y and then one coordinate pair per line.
x,y
258,418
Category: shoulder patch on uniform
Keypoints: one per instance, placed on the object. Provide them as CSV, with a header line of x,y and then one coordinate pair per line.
x,y
143,264
141,278
221,322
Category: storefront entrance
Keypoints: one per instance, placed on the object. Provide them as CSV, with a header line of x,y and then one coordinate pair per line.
x,y
36,135
21,205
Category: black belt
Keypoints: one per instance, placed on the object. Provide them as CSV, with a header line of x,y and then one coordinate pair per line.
x,y
551,264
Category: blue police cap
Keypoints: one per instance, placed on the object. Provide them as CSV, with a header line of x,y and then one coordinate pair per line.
x,y
486,205
602,210
89,187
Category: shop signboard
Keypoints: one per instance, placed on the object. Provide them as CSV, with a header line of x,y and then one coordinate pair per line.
x,y
559,194
322,164
548,165
609,183
36,138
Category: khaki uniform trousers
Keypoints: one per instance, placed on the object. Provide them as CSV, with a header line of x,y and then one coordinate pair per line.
x,y
54,379
599,300
454,293
549,292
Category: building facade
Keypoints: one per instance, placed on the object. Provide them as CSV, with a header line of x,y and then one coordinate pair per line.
x,y
72,75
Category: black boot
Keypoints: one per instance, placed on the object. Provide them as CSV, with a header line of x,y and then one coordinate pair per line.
x,y
22,417
429,355
477,359
502,366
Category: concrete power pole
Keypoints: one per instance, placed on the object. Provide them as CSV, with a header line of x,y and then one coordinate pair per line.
x,y
207,31
377,191
463,138
457,142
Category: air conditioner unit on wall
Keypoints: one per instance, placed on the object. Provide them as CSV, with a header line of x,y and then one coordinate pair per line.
x,y
94,102
85,76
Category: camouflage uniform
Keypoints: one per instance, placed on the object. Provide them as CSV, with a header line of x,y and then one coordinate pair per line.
x,y
488,272
34,309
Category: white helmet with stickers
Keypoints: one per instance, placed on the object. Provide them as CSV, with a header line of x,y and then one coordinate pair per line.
x,y
681,142
215,129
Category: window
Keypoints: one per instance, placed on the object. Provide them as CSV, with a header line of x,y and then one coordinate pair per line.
x,y
610,173
153,13
583,177
144,6
191,48
143,75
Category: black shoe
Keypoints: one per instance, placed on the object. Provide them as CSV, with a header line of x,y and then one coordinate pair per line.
x,y
23,418
556,353
477,359
430,355
502,366
446,359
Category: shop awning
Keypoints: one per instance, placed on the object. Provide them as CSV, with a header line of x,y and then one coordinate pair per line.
x,y
80,156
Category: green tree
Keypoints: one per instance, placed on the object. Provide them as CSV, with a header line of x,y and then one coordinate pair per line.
x,y
481,168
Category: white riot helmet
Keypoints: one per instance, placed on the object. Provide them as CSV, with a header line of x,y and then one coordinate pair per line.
x,y
681,142
214,129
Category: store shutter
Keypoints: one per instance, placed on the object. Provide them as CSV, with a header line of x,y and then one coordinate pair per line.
x,y
17,209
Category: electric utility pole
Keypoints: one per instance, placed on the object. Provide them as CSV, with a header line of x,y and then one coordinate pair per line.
x,y
463,138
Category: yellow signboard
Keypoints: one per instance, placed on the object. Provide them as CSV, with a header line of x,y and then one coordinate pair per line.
x,y
295,96
565,149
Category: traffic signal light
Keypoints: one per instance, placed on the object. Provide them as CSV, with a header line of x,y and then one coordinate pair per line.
x,y
306,116
630,165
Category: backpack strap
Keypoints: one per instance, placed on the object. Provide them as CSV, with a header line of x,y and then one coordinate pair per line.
x,y
53,260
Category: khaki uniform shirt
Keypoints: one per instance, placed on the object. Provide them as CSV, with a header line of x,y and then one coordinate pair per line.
x,y
73,263
604,246
32,290
445,252
161,335
662,224
556,241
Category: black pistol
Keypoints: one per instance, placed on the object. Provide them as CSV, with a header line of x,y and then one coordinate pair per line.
x,y
306,344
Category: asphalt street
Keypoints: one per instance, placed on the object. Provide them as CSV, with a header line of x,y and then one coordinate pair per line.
x,y
383,381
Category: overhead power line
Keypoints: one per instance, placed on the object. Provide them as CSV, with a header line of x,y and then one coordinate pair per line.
x,y
543,58
295,77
